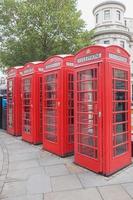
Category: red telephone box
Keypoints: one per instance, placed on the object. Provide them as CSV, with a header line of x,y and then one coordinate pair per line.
x,y
32,102
14,101
102,109
58,127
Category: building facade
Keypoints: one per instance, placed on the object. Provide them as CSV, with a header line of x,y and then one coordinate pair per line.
x,y
112,27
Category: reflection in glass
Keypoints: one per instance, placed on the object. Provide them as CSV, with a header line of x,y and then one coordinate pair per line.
x,y
51,137
85,107
87,96
120,74
88,85
120,85
51,78
120,106
120,149
120,96
50,128
121,138
50,112
87,74
120,117
120,128
90,152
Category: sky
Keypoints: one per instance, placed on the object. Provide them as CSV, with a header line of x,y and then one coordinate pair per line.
x,y
86,7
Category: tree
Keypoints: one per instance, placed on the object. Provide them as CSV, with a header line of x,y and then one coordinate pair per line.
x,y
36,29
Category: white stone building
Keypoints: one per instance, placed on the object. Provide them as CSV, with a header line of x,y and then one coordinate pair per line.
x,y
112,27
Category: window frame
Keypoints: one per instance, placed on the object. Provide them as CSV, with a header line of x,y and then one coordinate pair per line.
x,y
97,18
107,15
118,15
122,44
106,41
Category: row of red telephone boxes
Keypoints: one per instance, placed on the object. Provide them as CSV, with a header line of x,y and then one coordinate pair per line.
x,y
77,104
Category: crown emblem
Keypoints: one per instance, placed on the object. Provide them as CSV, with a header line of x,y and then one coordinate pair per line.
x,y
118,51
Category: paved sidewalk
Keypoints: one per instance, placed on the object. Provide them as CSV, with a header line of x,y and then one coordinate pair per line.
x,y
29,173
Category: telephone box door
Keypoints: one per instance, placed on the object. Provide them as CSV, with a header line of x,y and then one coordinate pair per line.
x,y
10,110
120,138
51,111
88,140
27,105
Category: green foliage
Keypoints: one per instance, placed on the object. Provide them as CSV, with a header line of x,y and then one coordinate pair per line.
x,y
36,29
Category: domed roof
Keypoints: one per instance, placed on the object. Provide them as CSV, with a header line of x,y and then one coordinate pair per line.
x,y
109,2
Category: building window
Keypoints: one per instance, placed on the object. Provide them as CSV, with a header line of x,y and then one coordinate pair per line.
x,y
122,44
2,81
118,15
107,15
97,18
106,42
125,23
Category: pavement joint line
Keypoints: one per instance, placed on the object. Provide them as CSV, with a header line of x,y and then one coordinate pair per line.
x,y
83,187
52,189
97,188
125,190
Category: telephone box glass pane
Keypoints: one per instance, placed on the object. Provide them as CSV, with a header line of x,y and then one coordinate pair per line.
x,y
51,107
120,95
10,116
70,108
120,117
87,74
120,85
10,103
120,101
27,105
87,85
120,106
120,74
120,149
120,128
121,138
86,112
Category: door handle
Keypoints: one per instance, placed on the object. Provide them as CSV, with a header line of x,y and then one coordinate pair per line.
x,y
99,114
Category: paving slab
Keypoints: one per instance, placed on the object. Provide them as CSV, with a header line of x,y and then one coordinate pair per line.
x,y
50,159
114,192
23,164
75,169
26,197
86,194
121,177
67,182
38,184
13,189
128,187
24,156
90,179
56,170
24,174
